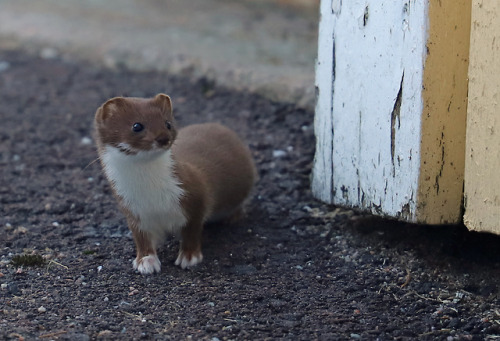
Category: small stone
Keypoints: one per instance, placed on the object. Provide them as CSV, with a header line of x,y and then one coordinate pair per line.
x,y
21,229
105,333
86,141
279,153
110,62
48,53
42,309
4,66
13,289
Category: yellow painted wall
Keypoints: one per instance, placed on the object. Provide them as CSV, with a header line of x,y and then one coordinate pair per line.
x,y
482,178
444,113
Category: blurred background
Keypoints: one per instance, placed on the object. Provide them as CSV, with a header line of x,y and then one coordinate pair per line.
x,y
264,46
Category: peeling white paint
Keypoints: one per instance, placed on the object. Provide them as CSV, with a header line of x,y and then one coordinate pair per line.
x,y
367,152
322,180
336,6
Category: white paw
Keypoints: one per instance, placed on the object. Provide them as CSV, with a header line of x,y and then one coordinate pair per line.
x,y
188,260
147,265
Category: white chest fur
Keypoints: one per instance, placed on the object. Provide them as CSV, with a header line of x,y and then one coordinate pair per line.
x,y
148,187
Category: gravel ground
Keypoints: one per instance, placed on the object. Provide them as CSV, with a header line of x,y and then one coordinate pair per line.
x,y
294,268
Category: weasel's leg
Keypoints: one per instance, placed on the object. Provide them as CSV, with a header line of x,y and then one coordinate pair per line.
x,y
190,247
147,261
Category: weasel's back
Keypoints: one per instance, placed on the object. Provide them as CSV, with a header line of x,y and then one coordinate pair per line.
x,y
223,159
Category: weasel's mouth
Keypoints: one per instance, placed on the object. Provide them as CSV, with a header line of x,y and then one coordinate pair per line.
x,y
126,148
156,145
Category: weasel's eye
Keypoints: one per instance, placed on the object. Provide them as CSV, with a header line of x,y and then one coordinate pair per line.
x,y
168,125
137,127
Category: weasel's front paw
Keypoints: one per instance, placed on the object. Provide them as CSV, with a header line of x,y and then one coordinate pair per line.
x,y
147,265
188,259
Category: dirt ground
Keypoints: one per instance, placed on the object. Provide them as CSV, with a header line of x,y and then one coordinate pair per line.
x,y
294,268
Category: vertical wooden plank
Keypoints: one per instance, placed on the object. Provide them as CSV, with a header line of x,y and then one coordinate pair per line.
x,y
325,68
442,164
398,102
375,104
379,64
482,177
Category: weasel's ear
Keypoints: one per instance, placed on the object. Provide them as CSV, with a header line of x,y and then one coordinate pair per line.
x,y
107,110
164,102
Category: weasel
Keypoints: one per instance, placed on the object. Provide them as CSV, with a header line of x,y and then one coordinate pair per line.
x,y
170,181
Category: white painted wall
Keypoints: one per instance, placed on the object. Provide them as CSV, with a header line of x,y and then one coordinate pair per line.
x,y
367,151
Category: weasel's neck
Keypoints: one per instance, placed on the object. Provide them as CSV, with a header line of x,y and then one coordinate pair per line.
x,y
146,182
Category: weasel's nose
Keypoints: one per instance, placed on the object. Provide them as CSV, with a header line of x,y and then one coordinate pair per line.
x,y
162,140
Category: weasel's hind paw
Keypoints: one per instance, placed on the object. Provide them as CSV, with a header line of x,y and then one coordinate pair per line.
x,y
188,259
147,265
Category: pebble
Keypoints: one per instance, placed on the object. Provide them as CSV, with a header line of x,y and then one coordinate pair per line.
x,y
86,141
48,53
133,292
4,66
21,229
13,289
279,153
42,309
105,333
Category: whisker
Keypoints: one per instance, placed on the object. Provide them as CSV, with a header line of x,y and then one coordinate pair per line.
x,y
90,164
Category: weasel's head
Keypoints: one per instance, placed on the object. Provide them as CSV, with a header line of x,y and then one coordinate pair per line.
x,y
134,125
